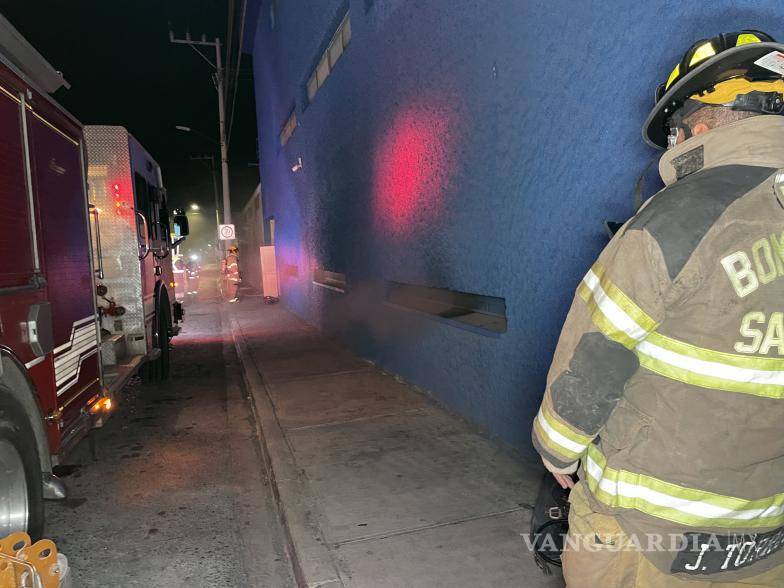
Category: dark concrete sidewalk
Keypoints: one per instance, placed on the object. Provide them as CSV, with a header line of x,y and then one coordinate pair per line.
x,y
378,485
178,495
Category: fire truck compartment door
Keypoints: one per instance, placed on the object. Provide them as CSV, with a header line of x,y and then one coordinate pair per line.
x,y
39,328
17,263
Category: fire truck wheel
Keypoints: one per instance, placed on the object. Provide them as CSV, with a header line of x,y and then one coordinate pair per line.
x,y
150,372
164,328
20,485
154,371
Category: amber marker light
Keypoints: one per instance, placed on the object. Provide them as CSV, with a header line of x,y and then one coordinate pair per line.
x,y
103,405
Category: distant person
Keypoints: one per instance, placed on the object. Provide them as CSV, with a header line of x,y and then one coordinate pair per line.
x,y
232,273
193,271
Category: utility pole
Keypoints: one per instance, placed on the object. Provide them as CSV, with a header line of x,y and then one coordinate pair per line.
x,y
218,67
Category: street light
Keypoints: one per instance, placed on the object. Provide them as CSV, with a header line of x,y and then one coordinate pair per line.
x,y
194,207
224,171
211,160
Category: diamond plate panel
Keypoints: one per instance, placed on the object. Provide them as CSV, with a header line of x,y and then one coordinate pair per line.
x,y
111,191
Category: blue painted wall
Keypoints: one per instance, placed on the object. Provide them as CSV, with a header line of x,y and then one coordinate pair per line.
x,y
476,146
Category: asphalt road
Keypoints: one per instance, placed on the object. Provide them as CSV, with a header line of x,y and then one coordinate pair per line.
x,y
178,495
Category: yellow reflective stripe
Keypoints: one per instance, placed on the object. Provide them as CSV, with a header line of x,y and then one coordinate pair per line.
x,y
733,359
609,330
673,76
628,306
688,506
613,312
759,376
563,429
553,447
558,437
747,38
702,53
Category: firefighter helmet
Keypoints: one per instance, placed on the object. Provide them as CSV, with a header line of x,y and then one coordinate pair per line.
x,y
741,70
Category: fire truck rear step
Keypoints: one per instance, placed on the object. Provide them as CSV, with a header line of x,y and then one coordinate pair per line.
x,y
112,349
119,375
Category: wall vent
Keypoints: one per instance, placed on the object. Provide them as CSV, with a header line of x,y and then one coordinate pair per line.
x,y
329,280
487,313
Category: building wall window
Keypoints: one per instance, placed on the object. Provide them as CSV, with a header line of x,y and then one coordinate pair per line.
x,y
330,280
330,57
476,311
289,127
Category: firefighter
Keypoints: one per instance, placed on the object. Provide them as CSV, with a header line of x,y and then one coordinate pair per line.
x,y
232,273
667,384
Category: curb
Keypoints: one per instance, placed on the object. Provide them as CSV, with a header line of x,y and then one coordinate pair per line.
x,y
313,563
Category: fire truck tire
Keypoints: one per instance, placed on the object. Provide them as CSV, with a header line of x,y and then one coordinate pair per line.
x,y
164,328
22,490
149,372
157,370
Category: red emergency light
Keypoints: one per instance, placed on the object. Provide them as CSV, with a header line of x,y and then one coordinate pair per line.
x,y
118,203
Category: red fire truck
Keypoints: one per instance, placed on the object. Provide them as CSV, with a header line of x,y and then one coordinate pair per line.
x,y
53,389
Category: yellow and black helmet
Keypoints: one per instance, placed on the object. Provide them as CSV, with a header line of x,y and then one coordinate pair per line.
x,y
233,249
742,70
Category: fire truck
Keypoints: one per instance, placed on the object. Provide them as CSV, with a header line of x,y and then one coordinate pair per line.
x,y
180,271
133,251
55,248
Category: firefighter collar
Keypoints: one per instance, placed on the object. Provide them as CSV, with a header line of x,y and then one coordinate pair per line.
x,y
752,141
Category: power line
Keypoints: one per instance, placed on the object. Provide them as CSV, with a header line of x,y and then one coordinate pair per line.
x,y
235,85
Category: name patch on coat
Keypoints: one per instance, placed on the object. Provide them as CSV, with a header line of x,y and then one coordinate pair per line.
x,y
708,554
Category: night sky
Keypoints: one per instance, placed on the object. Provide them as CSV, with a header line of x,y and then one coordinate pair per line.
x,y
123,71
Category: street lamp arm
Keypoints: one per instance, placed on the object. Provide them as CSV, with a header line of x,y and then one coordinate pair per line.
x,y
185,129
